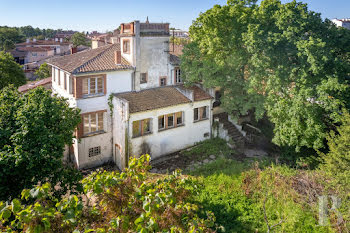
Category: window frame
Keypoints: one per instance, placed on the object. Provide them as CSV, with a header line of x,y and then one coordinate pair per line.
x,y
146,75
89,94
141,128
160,81
166,120
98,130
200,113
177,75
126,49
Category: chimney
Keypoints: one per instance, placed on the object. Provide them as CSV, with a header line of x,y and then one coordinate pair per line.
x,y
27,40
118,57
73,50
61,40
34,40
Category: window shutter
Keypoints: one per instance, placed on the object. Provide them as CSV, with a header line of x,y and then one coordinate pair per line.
x,y
80,129
104,84
78,92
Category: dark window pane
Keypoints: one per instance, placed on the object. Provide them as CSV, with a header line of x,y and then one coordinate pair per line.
x,y
195,114
161,122
170,120
178,118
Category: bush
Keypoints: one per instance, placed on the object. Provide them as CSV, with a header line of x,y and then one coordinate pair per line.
x,y
131,201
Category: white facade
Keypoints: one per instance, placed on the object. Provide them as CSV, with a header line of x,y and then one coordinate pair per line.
x,y
115,142
342,23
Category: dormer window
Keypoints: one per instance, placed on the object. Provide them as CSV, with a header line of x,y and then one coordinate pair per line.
x,y
126,46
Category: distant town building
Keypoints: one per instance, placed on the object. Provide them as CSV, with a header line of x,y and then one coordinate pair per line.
x,y
46,83
179,33
106,38
342,23
64,35
60,48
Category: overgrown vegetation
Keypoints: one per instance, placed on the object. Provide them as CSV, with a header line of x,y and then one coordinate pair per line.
x,y
44,71
10,71
34,130
131,201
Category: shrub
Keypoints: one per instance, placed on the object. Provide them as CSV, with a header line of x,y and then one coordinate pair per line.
x,y
131,201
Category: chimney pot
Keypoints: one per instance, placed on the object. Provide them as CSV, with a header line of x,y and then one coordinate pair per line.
x,y
118,57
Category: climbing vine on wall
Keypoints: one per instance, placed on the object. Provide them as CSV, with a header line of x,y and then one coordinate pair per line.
x,y
110,104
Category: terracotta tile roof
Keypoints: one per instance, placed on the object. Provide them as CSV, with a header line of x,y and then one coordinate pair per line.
x,y
199,94
43,42
29,86
34,49
161,97
94,60
154,98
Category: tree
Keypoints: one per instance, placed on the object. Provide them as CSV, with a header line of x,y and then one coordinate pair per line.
x,y
336,162
276,59
9,37
10,71
44,71
34,129
79,38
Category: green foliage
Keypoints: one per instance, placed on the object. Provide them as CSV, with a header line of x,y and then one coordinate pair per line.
x,y
79,38
10,71
9,37
215,146
278,59
44,71
34,129
235,192
131,201
336,162
179,41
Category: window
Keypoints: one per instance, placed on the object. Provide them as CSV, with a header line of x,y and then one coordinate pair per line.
x,y
34,54
126,46
93,86
65,81
200,113
53,74
178,75
72,87
93,123
141,127
217,101
59,77
143,78
170,120
162,81
93,151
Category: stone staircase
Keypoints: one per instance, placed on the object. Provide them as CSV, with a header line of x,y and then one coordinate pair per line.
x,y
233,132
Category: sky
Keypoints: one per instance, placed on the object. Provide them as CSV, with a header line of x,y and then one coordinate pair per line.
x,y
103,15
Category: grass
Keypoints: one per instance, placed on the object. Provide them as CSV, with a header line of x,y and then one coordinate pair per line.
x,y
235,192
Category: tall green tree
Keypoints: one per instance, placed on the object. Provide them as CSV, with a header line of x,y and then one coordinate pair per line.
x,y
276,59
34,129
336,162
9,37
10,71
79,38
44,71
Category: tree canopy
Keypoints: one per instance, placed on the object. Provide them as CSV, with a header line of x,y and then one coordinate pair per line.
x,y
277,59
9,37
44,71
79,38
10,71
34,129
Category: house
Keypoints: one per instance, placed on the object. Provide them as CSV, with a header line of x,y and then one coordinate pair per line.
x,y
32,55
342,23
46,83
132,99
60,48
64,35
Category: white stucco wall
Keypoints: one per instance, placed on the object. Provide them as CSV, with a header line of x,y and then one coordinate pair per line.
x,y
120,131
171,140
154,60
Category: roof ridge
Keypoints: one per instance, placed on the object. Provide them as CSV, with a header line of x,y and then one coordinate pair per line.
x,y
93,58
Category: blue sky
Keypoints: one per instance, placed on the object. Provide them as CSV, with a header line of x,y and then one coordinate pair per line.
x,y
102,15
